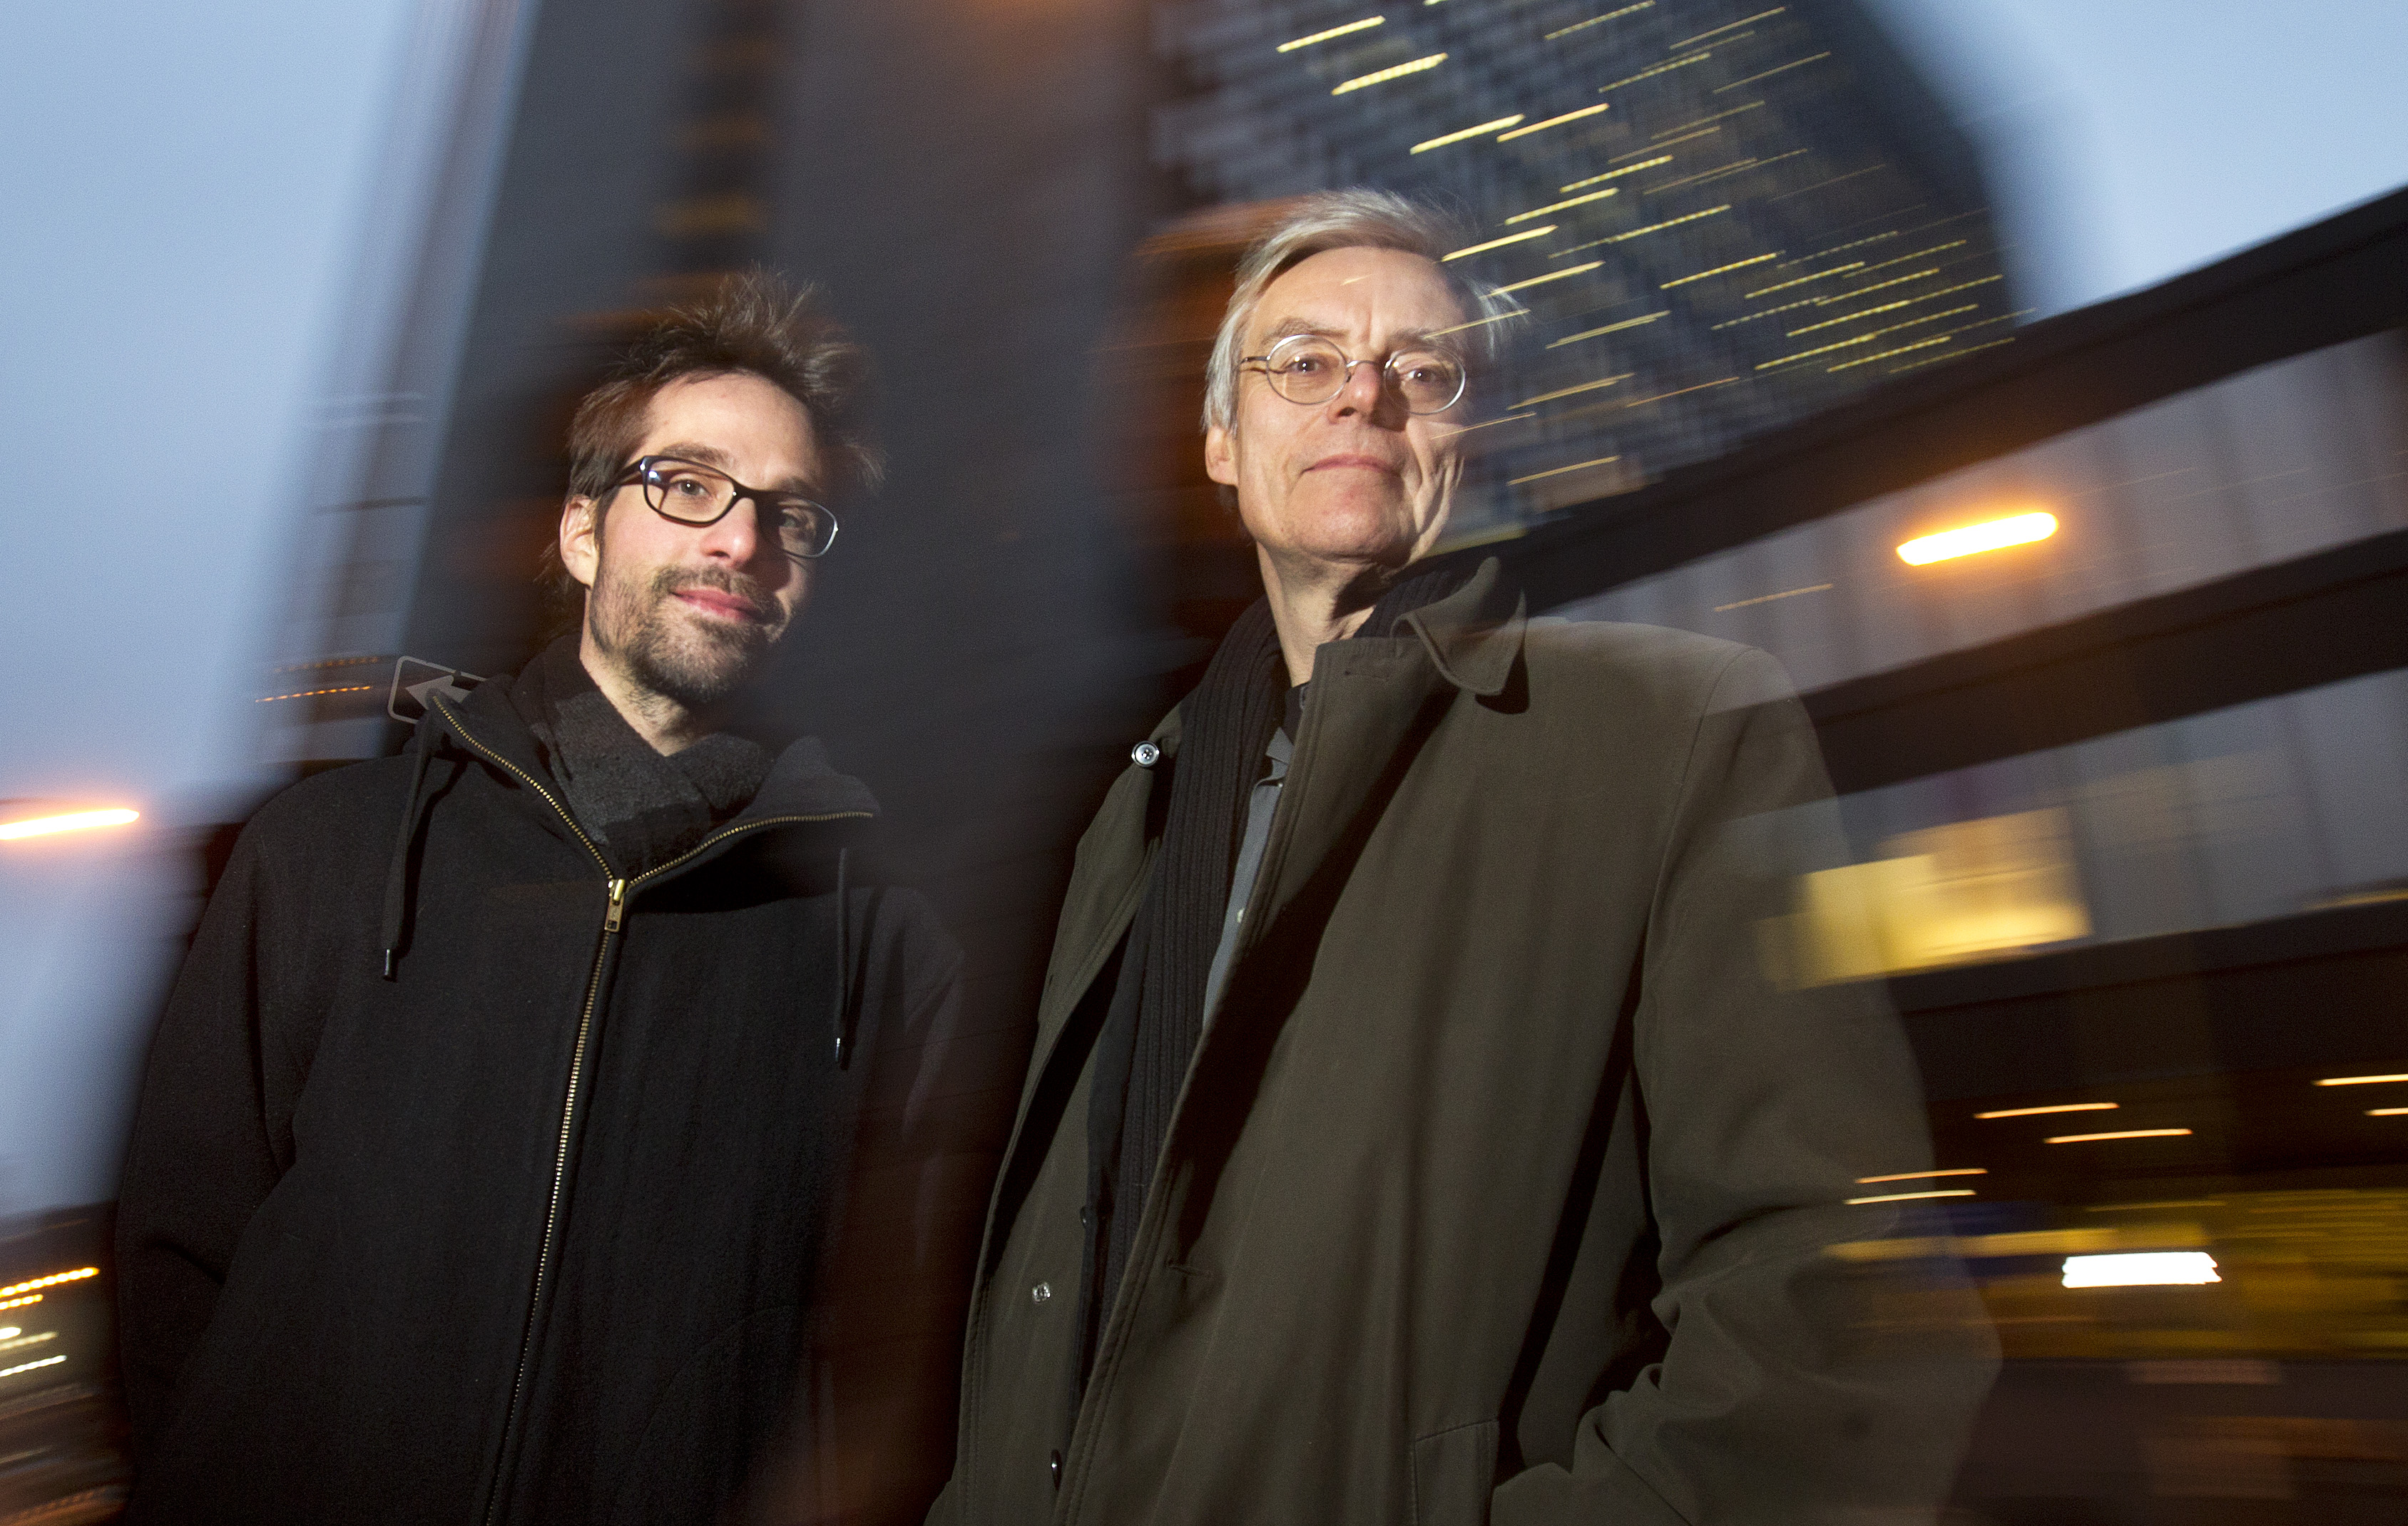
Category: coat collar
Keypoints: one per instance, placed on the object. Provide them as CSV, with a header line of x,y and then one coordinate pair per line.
x,y
1474,633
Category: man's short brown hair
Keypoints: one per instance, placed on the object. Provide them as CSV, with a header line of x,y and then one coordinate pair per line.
x,y
755,323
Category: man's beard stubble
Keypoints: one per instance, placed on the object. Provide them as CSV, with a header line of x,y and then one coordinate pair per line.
x,y
698,667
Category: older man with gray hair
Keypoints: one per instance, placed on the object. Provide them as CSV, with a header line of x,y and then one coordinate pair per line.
x,y
1414,1135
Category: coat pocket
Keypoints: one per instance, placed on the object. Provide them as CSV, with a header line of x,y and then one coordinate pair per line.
x,y
1454,1471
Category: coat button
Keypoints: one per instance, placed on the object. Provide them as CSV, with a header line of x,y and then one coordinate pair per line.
x,y
1145,754
1042,1291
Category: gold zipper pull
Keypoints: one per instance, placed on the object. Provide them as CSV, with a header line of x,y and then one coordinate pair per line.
x,y
618,907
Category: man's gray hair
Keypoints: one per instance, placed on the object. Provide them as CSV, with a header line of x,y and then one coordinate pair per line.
x,y
1353,218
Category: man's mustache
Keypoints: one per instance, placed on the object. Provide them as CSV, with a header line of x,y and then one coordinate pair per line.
x,y
670,581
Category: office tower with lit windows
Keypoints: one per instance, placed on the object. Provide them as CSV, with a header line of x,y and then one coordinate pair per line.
x,y
1720,215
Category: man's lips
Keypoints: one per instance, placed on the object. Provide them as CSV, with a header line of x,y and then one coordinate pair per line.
x,y
1348,459
721,604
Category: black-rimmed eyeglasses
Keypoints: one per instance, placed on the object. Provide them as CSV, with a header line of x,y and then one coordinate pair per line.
x,y
690,492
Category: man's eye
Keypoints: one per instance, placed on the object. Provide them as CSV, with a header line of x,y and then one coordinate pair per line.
x,y
1304,365
689,487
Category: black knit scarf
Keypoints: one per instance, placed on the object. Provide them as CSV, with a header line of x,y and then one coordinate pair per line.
x,y
1156,1016
643,808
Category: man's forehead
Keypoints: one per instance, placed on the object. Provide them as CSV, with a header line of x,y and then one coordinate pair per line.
x,y
1342,291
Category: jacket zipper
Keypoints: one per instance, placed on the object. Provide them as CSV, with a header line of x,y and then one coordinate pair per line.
x,y
614,913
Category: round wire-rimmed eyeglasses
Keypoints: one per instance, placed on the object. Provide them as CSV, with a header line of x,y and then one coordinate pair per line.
x,y
690,492
1308,369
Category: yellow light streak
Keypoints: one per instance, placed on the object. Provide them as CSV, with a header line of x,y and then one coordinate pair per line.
x,y
1615,174
1576,467
1550,275
1678,391
1576,201
1364,25
1610,328
1723,172
43,826
1476,323
2386,1112
1921,1176
1703,132
2119,1134
1940,339
1440,142
53,1280
1910,1197
19,1303
1972,539
1582,26
28,1366
1835,270
1660,68
1859,243
1759,16
1768,598
1767,74
1720,270
1951,355
1652,227
2057,1108
1718,116
2362,1081
1584,386
1863,292
1395,71
1916,255
1820,184
1554,121
1500,242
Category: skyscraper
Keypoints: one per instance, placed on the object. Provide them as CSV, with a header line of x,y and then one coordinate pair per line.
x,y
1720,215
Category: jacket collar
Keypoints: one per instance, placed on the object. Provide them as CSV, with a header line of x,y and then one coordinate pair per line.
x,y
1472,637
1474,633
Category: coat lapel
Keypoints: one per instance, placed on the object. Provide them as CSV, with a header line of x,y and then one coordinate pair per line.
x,y
1374,704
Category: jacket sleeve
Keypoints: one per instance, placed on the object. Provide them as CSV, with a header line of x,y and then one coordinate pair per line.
x,y
212,1136
1790,1389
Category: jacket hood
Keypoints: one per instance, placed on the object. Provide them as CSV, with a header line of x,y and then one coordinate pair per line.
x,y
801,782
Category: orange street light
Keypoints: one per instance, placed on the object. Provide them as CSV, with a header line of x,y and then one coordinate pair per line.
x,y
55,822
1989,536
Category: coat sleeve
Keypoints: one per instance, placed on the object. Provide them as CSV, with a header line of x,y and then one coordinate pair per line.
x,y
211,1137
1790,1387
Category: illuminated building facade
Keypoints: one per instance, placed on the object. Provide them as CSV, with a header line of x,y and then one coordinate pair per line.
x,y
1721,215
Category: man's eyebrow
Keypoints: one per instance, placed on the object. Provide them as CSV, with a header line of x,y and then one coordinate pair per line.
x,y
711,455
1288,328
707,455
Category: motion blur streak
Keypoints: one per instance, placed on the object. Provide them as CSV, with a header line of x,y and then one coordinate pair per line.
x,y
2142,1269
43,826
2015,530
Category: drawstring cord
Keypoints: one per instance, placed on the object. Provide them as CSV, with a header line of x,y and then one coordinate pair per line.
x,y
396,884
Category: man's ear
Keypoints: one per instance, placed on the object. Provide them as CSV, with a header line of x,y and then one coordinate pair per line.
x,y
1220,456
580,532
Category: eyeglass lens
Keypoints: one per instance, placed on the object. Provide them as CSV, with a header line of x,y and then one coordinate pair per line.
x,y
1309,370
694,495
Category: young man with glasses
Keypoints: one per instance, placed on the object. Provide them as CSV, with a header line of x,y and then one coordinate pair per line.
x,y
1414,1134
546,1124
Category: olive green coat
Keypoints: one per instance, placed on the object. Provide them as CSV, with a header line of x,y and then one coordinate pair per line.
x,y
1499,1186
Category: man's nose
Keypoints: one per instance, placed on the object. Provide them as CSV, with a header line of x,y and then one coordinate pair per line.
x,y
736,536
1365,389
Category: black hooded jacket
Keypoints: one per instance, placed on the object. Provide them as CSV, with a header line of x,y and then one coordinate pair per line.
x,y
475,1180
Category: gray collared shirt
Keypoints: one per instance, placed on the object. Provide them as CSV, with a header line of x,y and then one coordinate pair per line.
x,y
1261,802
